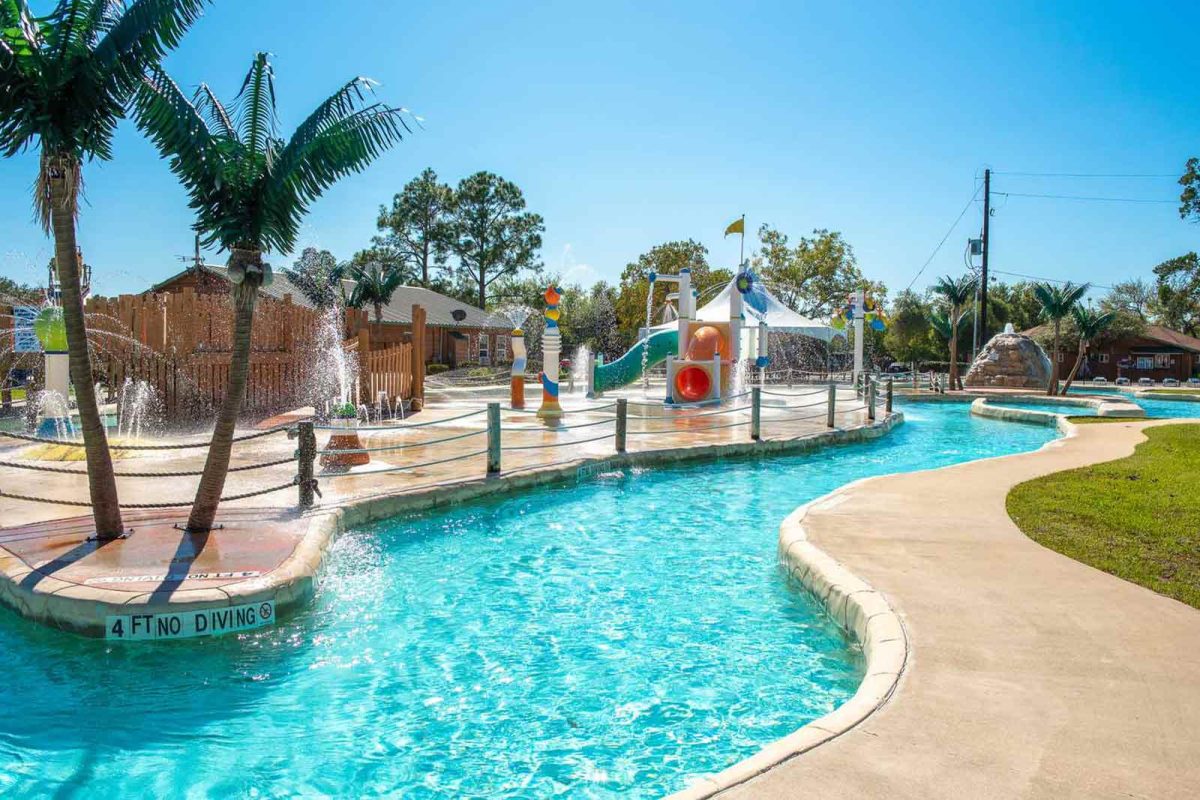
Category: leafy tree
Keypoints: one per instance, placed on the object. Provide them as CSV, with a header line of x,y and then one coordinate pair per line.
x,y
1189,198
907,336
319,276
958,294
1015,303
815,276
374,285
15,293
1178,288
418,224
668,258
250,190
1057,302
1134,296
65,80
491,233
1090,324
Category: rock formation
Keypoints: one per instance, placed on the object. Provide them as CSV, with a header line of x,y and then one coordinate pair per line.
x,y
1010,359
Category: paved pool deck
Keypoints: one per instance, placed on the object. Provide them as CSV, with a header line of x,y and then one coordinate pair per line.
x,y
1029,674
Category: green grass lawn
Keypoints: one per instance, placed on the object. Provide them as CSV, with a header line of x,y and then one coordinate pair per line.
x,y
1137,518
1180,392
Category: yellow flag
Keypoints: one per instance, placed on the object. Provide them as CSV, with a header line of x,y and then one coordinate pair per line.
x,y
737,226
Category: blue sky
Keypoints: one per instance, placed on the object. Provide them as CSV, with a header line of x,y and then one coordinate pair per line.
x,y
627,124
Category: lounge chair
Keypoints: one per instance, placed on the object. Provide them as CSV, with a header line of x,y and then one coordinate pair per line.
x,y
1122,381
1100,379
1170,382
1145,382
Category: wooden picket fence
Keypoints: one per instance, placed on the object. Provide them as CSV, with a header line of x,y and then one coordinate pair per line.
x,y
180,343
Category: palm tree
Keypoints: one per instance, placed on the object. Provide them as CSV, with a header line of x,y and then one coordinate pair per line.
x,y
1090,324
947,326
65,80
374,285
250,190
958,293
1057,302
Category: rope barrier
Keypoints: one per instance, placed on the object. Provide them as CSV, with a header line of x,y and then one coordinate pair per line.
x,y
400,427
405,446
557,428
402,467
111,446
690,430
190,474
554,444
794,394
80,503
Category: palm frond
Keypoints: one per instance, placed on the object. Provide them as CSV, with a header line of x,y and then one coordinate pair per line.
x,y
135,42
180,132
71,28
214,113
255,107
1057,301
342,147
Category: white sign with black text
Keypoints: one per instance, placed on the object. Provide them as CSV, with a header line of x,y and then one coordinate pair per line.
x,y
185,624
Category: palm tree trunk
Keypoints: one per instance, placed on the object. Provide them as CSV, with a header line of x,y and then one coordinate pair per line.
x,y
1053,387
61,177
216,467
1078,364
953,351
379,322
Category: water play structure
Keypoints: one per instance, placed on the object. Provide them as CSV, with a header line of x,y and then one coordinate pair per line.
x,y
704,347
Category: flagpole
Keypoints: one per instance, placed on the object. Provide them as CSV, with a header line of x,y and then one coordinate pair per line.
x,y
742,248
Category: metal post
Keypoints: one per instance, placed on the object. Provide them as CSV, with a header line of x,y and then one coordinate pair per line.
x,y
307,453
888,407
493,438
871,401
756,413
622,418
832,402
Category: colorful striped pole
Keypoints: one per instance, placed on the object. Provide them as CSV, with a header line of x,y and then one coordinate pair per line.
x,y
551,347
517,389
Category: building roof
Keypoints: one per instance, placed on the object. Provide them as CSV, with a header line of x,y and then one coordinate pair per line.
x,y
1158,333
440,311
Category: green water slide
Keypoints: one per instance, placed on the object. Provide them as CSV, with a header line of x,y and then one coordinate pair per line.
x,y
628,368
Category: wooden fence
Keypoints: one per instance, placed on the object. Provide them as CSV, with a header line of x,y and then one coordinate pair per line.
x,y
180,343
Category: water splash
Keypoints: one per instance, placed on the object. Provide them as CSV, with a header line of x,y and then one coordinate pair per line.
x,y
579,366
139,409
515,314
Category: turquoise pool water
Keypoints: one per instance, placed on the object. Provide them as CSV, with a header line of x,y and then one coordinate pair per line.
x,y
613,638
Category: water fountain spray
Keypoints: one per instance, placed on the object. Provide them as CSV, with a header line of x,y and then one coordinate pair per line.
x,y
516,316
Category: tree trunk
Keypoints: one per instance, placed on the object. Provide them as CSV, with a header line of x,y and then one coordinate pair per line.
x,y
425,260
953,351
1053,387
216,467
1075,369
379,321
63,184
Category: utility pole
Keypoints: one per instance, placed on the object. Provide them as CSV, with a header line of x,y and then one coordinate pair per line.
x,y
983,288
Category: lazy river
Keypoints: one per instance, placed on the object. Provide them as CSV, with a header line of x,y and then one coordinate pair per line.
x,y
612,638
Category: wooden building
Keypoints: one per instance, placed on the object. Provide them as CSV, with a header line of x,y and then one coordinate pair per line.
x,y
1157,353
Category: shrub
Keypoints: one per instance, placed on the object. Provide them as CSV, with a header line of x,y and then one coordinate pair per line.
x,y
434,369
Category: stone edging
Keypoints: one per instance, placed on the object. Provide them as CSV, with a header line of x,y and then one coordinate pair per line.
x,y
864,613
982,407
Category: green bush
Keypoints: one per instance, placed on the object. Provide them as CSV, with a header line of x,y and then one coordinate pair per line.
x,y
434,369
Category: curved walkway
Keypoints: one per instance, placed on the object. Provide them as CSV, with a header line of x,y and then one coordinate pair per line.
x,y
1031,675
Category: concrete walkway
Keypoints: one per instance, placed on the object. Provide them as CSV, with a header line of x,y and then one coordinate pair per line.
x,y
1031,675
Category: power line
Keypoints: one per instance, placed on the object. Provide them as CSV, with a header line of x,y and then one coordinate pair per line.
x,y
1048,280
1088,174
1086,197
957,220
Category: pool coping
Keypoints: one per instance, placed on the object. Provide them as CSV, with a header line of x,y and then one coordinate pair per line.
x,y
85,609
982,407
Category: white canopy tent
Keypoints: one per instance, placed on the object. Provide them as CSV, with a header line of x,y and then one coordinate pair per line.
x,y
779,318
